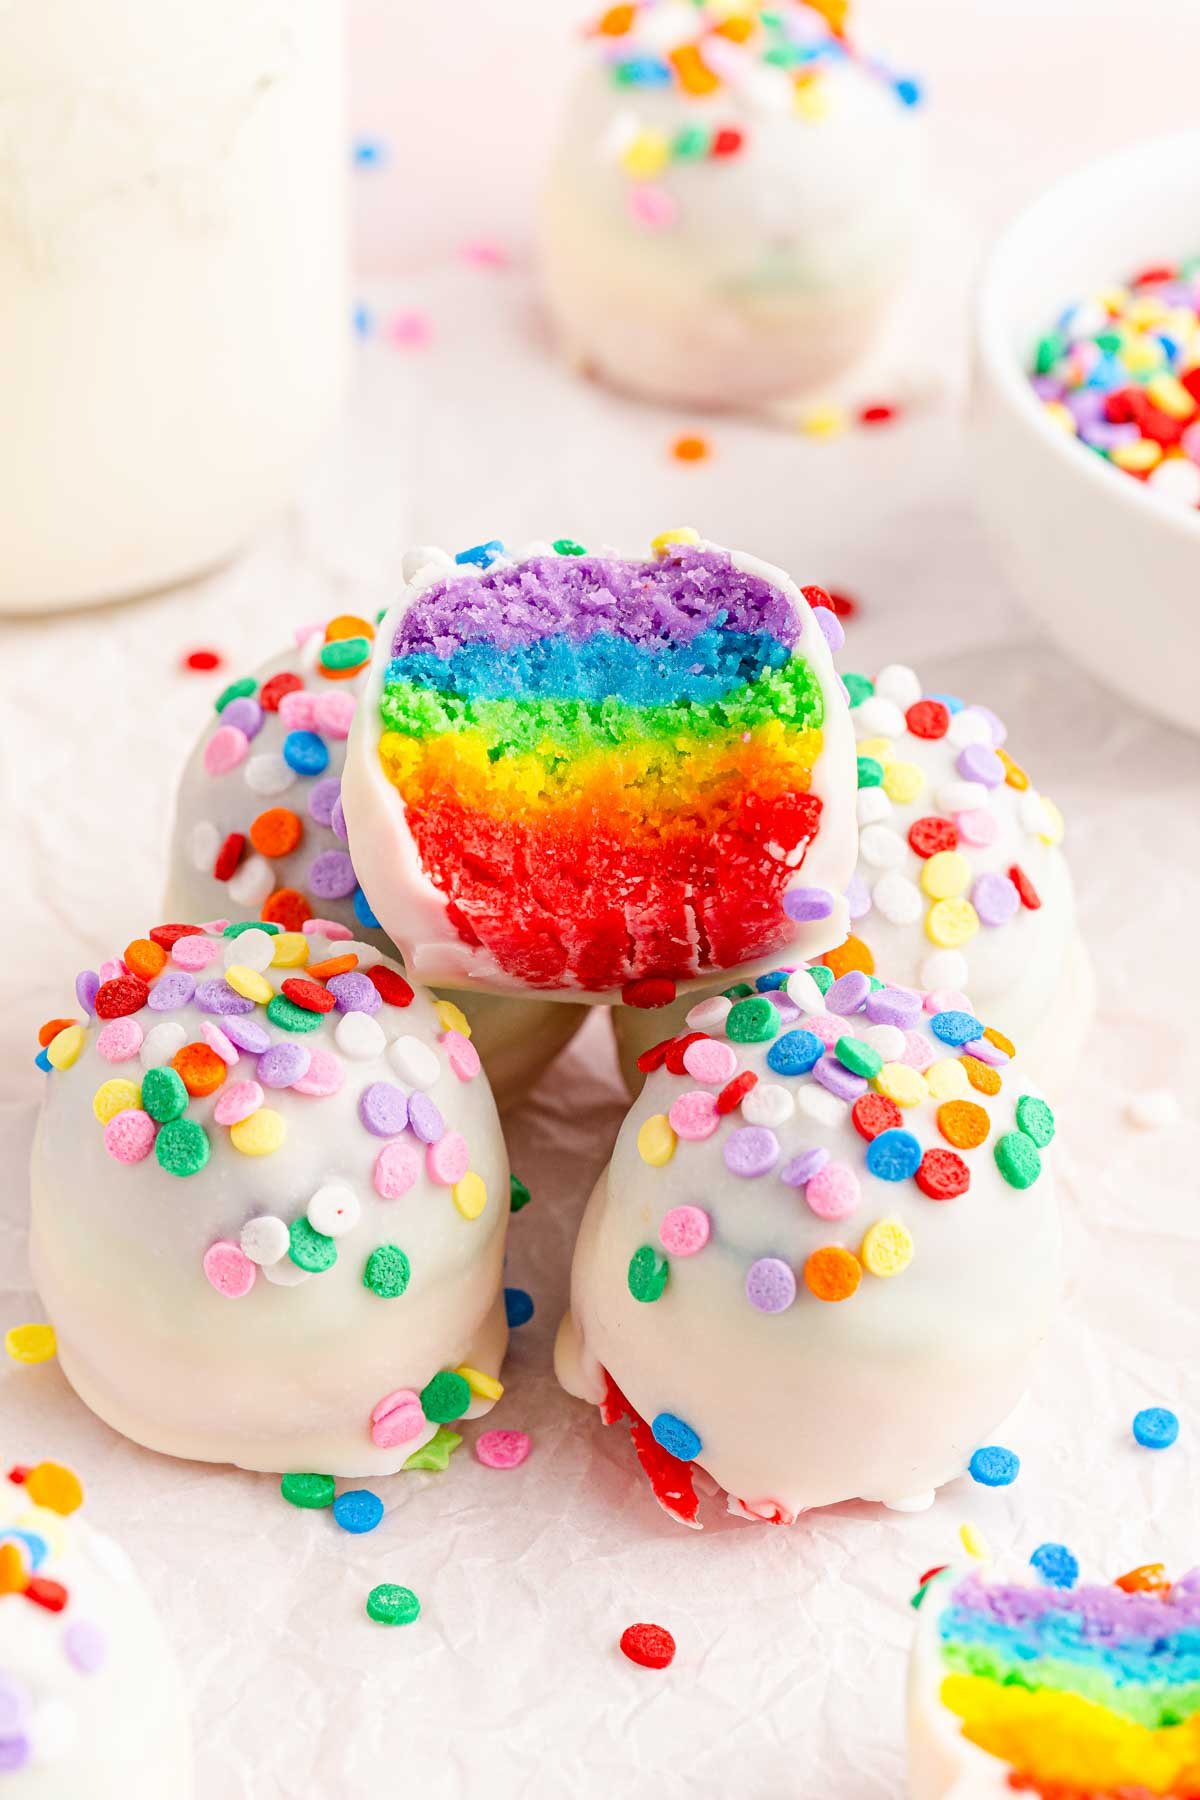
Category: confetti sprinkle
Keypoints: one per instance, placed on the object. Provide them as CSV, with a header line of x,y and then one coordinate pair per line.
x,y
1155,1428
30,1343
388,1604
650,1646
994,1466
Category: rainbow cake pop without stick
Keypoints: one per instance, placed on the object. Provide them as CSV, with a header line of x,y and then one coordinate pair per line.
x,y
825,1253
269,1200
259,828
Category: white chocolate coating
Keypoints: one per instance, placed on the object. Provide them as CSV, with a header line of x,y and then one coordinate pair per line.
x,y
286,1377
883,1395
517,1038
118,1731
731,280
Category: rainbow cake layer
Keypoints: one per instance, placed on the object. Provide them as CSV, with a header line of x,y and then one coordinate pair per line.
x,y
1088,1693
607,764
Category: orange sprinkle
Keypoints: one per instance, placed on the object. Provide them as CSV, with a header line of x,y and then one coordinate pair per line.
x,y
333,965
199,1068
963,1124
277,831
13,1579
1001,1042
616,21
695,76
56,1488
690,449
736,30
50,1030
834,12
1150,1578
145,958
831,1273
853,954
286,907
348,625
982,1077
1014,774
340,674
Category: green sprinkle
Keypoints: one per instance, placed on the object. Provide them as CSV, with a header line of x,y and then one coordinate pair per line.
x,y
387,1272
741,990
1017,1159
859,688
309,1491
859,1058
311,1249
567,547
164,1096
648,1273
823,977
1108,341
519,1194
918,1597
437,1452
753,1021
691,143
1035,1119
876,984
235,931
182,1147
870,772
345,653
1049,349
388,1604
236,690
446,1398
289,1017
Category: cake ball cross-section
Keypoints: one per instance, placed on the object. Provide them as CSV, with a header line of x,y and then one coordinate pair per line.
x,y
600,776
269,1201
825,1253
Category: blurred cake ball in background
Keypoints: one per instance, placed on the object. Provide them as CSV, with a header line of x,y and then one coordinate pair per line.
x,y
732,199
259,830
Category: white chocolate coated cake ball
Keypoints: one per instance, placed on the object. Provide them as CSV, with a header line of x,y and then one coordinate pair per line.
x,y
269,1202
825,1252
259,829
91,1702
731,202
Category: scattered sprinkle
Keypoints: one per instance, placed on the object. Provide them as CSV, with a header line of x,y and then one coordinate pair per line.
x,y
651,1646
1155,1427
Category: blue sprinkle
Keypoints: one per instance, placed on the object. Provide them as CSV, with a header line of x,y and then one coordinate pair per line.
x,y
956,1027
518,1306
362,911
33,1542
795,1053
951,702
305,752
358,1510
1056,1565
1155,1427
368,153
676,1437
482,555
894,1155
361,318
909,91
644,71
770,984
993,1466
43,1062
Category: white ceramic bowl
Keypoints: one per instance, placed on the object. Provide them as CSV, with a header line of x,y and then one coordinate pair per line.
x,y
1111,569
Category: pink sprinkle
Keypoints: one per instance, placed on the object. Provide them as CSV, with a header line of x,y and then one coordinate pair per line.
x,y
324,1075
120,1039
333,714
237,1102
918,1051
1189,443
297,710
229,1269
503,1449
652,207
984,1051
946,1000
448,1160
977,827
833,1192
302,633
327,928
684,1230
129,1136
216,1040
462,1055
397,1419
485,253
195,953
225,749
708,1059
214,927
396,1168
410,330
822,1026
694,1116
113,969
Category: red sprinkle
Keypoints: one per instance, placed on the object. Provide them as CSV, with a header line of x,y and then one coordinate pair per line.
x,y
931,834
19,1473
650,1645
873,1113
649,991
655,1056
816,596
675,1054
727,142
117,999
167,936
1029,894
735,1091
388,985
844,605
1191,382
879,414
229,856
273,691
928,719
929,1574
308,994
44,1592
202,661
1156,272
942,1175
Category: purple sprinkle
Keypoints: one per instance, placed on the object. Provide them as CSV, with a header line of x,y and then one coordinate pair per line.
x,y
15,1751
751,1150
383,1109
800,1171
804,904
14,1706
1086,405
218,997
424,1119
173,989
975,762
284,1064
87,986
770,1285
245,713
984,1051
995,899
858,898
323,799
831,628
847,993
996,725
248,1035
86,1645
331,875
337,822
1046,387
1103,436
894,1006
354,993
787,1009
837,1079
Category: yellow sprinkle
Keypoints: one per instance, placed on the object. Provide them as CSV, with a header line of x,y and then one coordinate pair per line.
x,y
683,534
249,984
887,1248
656,1141
113,1097
1114,300
470,1195
905,1085
55,1487
947,1079
48,1525
1168,393
974,1543
951,923
13,1576
946,875
1062,416
812,99
881,749
486,1386
823,422
1145,311
1014,774
1057,823
903,782
1137,457
451,1017
64,1049
289,950
30,1343
646,155
260,1134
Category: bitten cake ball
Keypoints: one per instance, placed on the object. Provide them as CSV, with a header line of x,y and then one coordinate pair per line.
x,y
602,776
962,883
1030,1681
91,1704
732,200
825,1252
269,1198
259,829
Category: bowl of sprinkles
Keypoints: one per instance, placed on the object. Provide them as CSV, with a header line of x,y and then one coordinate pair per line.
x,y
1085,425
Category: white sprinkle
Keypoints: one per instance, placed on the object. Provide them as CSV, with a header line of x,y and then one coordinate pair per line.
x,y
1153,1110
160,1044
872,805
899,683
267,774
768,1104
205,842
968,727
878,717
252,883
265,1239
889,1040
334,1209
252,949
898,899
417,1063
962,796
882,847
359,1036
803,990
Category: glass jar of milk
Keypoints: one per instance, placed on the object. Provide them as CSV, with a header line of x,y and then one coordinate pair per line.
x,y
173,316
